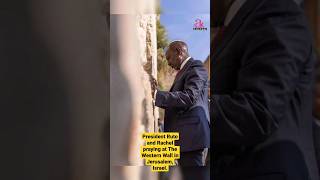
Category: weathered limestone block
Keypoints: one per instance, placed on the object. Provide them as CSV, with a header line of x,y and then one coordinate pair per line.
x,y
148,55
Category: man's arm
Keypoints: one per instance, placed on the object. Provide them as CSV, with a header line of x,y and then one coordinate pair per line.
x,y
195,82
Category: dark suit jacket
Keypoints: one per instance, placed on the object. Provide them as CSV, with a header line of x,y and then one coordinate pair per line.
x,y
186,107
316,135
262,82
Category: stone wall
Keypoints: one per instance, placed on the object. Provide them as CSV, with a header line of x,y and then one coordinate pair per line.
x,y
146,24
133,62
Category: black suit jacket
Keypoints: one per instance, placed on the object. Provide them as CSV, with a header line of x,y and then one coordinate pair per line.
x,y
316,135
186,107
262,82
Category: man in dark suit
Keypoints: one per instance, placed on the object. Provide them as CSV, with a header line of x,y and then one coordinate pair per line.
x,y
262,83
186,109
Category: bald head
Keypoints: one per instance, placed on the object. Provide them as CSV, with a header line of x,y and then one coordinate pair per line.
x,y
177,52
179,44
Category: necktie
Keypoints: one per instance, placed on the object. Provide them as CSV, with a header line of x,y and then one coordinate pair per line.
x,y
179,73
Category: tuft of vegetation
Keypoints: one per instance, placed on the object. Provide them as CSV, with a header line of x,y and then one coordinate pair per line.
x,y
162,37
165,73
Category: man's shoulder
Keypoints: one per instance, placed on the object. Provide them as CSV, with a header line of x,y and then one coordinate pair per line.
x,y
196,63
197,67
277,13
275,25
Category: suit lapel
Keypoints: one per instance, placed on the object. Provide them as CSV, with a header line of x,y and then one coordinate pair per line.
x,y
183,71
234,25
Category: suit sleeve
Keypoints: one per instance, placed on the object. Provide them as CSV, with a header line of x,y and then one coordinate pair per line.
x,y
196,80
266,84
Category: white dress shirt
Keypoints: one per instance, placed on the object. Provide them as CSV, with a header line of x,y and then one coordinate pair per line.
x,y
184,62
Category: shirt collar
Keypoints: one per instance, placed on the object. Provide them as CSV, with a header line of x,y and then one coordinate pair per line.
x,y
235,7
184,62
